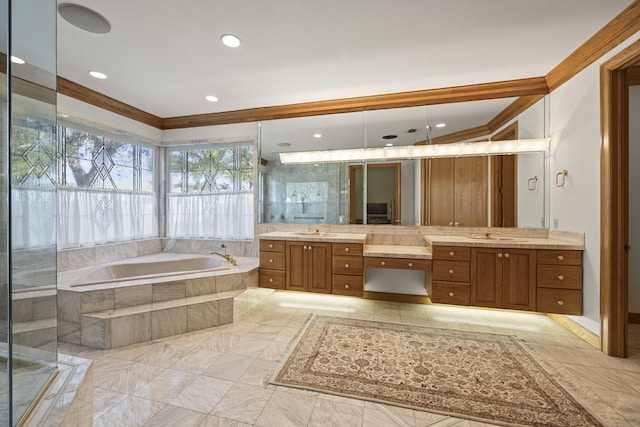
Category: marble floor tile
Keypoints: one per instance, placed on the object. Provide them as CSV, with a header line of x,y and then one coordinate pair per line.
x,y
130,412
175,416
286,409
203,394
243,403
166,386
216,376
229,367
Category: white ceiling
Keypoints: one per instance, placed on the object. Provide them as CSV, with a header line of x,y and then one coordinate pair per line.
x,y
164,56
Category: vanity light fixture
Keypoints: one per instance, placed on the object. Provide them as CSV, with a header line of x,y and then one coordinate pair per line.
x,y
441,125
97,75
483,148
17,60
230,40
317,135
211,98
389,145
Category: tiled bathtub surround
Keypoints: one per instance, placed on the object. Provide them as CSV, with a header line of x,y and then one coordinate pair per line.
x,y
111,315
72,259
242,248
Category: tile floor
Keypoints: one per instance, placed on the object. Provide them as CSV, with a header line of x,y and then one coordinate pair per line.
x,y
215,377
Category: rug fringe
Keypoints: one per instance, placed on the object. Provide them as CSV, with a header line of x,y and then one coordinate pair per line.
x,y
275,368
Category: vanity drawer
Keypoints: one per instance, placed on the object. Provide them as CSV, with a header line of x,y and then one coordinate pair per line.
x,y
561,301
559,276
347,249
398,263
272,260
451,293
559,257
451,271
453,253
271,279
342,264
272,245
347,285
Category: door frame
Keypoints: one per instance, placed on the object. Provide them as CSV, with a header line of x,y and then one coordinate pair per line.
x,y
614,201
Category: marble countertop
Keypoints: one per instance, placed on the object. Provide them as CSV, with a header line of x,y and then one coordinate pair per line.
x,y
312,236
397,251
498,241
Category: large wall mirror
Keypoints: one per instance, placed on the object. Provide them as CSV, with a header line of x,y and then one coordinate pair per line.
x,y
501,191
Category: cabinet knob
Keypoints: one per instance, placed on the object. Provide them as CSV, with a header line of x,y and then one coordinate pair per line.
x,y
346,286
506,255
450,271
270,280
450,294
309,247
456,223
560,257
270,260
410,264
499,255
346,249
270,245
560,302
383,263
450,223
452,253
561,277
346,266
305,247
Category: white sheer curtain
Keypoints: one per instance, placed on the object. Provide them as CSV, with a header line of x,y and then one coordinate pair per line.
x,y
32,213
217,215
88,217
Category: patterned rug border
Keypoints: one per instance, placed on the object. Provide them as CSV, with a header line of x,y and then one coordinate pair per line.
x,y
280,363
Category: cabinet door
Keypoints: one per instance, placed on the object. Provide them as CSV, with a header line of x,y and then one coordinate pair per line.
x,y
486,277
319,266
441,194
471,187
296,272
519,279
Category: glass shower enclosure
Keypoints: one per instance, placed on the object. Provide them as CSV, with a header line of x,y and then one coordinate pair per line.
x,y
28,163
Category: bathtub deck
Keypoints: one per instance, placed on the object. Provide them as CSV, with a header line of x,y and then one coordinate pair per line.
x,y
113,315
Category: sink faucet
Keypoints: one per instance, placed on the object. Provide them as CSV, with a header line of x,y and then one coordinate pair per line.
x,y
229,258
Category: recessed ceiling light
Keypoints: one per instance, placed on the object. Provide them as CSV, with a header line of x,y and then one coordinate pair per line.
x,y
317,135
440,125
17,60
284,144
230,40
211,98
389,145
97,75
84,18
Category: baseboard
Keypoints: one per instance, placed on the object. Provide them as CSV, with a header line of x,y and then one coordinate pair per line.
x,y
634,317
577,329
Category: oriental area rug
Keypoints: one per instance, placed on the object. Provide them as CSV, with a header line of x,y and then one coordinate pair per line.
x,y
478,376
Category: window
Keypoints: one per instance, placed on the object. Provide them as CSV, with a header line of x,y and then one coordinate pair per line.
x,y
211,191
105,187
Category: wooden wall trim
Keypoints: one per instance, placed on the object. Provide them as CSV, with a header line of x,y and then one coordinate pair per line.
x,y
634,75
503,89
614,212
623,26
512,111
84,94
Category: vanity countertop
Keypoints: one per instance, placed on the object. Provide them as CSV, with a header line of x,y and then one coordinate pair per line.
x,y
312,236
397,251
498,241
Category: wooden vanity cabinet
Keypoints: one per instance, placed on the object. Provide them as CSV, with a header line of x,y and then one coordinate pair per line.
x,y
347,269
308,266
272,264
559,282
503,278
450,284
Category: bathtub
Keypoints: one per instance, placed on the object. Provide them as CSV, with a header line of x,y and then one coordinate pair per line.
x,y
148,267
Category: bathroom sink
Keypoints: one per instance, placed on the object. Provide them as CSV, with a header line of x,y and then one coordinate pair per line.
x,y
495,237
313,233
